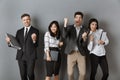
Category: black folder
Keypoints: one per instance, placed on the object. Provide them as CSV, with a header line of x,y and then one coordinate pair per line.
x,y
13,42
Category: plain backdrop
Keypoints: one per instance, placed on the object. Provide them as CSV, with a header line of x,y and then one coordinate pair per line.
x,y
42,13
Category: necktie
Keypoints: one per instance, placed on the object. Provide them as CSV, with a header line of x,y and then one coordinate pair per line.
x,y
25,36
26,32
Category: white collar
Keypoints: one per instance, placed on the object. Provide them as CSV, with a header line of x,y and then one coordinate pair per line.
x,y
78,27
27,28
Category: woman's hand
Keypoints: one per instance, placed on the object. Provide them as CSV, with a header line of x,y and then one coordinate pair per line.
x,y
91,37
60,44
48,56
101,42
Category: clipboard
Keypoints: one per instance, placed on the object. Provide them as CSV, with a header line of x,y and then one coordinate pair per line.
x,y
13,42
103,37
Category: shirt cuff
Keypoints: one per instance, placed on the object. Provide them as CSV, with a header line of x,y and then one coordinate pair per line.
x,y
34,41
91,42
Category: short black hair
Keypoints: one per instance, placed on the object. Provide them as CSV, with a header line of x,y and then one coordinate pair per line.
x,y
58,29
78,13
93,20
25,14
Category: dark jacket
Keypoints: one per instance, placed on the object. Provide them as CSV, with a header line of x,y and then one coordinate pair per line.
x,y
28,50
71,40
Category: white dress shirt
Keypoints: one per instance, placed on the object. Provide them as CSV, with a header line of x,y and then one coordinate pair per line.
x,y
94,47
27,30
77,32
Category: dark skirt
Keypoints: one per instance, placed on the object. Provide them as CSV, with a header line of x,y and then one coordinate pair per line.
x,y
53,67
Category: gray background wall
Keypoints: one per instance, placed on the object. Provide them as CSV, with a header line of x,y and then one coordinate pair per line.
x,y
42,13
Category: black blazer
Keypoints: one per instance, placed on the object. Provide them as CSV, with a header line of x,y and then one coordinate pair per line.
x,y
71,40
29,47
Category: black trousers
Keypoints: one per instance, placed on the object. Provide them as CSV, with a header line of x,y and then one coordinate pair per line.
x,y
102,61
26,69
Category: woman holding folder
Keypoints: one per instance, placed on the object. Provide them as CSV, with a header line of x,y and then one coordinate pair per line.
x,y
97,40
52,45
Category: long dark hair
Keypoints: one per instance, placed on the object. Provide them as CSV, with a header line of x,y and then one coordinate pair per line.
x,y
93,20
57,35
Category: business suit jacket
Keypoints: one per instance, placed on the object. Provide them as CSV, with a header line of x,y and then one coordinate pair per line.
x,y
28,50
71,40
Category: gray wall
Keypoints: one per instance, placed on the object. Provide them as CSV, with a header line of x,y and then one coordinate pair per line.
x,y
42,13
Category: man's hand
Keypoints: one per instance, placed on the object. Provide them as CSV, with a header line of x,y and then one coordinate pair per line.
x,y
7,39
34,37
65,22
84,36
60,44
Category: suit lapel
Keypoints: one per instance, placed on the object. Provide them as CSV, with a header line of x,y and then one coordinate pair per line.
x,y
74,32
80,33
22,34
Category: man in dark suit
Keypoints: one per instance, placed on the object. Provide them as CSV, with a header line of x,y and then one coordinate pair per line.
x,y
27,37
76,46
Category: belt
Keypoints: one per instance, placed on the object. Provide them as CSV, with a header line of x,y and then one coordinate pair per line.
x,y
75,51
54,48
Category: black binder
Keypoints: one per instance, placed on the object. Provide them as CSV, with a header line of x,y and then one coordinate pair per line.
x,y
13,42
